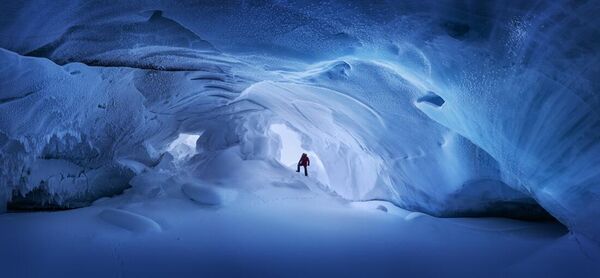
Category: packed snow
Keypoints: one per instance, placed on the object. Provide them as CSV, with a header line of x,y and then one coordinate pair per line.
x,y
170,132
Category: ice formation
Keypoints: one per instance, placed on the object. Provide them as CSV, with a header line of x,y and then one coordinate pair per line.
x,y
444,107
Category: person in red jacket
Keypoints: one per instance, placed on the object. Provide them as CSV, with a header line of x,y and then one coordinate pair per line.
x,y
304,161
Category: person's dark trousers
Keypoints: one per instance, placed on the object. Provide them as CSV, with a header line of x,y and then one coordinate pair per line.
x,y
305,170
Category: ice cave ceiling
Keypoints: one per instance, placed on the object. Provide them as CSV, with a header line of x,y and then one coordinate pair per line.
x,y
446,107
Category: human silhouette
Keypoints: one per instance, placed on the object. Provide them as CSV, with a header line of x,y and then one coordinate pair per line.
x,y
304,161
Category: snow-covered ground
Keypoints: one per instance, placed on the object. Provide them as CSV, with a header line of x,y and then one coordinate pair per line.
x,y
281,230
172,129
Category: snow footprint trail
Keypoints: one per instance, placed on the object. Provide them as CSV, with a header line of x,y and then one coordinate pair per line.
x,y
129,221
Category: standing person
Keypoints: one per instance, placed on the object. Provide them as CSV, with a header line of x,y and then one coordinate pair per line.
x,y
304,161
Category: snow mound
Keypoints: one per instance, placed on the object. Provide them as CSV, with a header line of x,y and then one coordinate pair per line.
x,y
207,195
129,221
414,215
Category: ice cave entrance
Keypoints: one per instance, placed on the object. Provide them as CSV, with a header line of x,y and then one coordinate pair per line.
x,y
184,146
291,149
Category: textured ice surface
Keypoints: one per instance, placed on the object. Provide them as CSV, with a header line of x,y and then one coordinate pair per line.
x,y
446,107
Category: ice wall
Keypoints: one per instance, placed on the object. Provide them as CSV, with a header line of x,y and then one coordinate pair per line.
x,y
448,107
62,128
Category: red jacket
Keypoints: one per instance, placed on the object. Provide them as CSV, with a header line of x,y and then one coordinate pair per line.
x,y
304,161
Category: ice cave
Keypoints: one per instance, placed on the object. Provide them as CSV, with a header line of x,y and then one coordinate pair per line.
x,y
162,138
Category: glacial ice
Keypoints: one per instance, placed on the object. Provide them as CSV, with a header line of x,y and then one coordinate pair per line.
x,y
452,108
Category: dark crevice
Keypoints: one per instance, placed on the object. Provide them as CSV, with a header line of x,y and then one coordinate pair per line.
x,y
122,64
220,87
209,78
11,99
520,210
432,98
39,199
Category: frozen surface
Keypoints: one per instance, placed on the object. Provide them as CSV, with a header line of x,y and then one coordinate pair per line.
x,y
444,108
